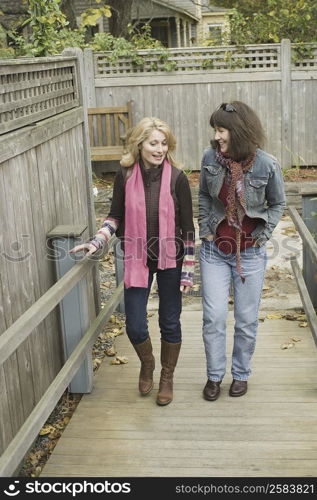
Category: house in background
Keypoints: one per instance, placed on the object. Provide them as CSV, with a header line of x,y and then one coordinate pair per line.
x,y
175,23
182,23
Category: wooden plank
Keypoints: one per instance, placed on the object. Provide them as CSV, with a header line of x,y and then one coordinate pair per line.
x,y
42,272
10,367
99,130
116,128
106,153
30,64
17,257
35,380
108,110
133,80
108,141
6,424
88,83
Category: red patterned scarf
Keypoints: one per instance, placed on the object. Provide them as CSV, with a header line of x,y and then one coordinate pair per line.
x,y
236,204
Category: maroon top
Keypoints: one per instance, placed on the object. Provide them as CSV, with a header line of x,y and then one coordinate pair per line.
x,y
225,237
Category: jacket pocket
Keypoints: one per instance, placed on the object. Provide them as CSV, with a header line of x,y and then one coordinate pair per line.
x,y
256,191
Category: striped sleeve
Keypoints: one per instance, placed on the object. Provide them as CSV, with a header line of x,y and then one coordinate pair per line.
x,y
104,234
188,266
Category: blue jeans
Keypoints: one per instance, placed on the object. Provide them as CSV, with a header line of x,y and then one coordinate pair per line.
x,y
218,270
170,307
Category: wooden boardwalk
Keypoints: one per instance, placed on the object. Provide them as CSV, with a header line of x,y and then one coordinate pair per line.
x,y
270,432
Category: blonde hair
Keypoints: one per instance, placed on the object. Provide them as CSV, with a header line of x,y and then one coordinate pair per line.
x,y
136,135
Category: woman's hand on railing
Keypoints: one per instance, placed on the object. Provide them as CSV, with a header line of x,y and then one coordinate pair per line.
x,y
89,248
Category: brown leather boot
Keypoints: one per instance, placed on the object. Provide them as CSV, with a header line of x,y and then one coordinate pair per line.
x,y
169,357
145,353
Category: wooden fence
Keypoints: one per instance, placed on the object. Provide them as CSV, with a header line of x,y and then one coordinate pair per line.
x,y
267,77
45,181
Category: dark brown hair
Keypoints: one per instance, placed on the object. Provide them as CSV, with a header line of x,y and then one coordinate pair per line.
x,y
246,131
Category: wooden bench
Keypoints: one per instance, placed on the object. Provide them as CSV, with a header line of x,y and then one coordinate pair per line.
x,y
107,131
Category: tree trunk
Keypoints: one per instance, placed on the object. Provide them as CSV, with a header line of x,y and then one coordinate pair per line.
x,y
67,7
120,17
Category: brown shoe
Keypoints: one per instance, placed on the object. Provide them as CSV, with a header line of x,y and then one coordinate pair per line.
x,y
145,354
169,357
211,390
238,388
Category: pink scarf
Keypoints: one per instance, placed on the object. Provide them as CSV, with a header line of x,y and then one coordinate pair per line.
x,y
136,272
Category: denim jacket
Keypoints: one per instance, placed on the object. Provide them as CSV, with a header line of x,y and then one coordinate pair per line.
x,y
264,194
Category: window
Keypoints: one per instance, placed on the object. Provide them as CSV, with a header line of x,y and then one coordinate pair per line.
x,y
214,32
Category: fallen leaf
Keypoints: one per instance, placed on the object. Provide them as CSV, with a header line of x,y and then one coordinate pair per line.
x,y
120,360
287,345
96,363
106,284
303,324
47,429
110,351
274,316
291,317
301,317
296,339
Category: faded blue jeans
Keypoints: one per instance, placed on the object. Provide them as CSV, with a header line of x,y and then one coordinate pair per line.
x,y
218,270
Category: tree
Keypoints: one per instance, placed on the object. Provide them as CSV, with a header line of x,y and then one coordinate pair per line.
x,y
266,21
121,17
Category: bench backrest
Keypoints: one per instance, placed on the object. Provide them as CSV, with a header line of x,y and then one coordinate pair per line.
x,y
108,126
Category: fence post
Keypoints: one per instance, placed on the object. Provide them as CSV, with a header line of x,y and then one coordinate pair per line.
x,y
309,270
286,97
89,78
74,314
76,52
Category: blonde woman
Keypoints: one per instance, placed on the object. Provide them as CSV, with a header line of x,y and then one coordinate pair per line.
x,y
151,212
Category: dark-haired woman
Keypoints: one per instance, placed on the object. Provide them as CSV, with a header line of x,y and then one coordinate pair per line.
x,y
241,200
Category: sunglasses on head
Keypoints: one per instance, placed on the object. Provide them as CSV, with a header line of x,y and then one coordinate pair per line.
x,y
227,107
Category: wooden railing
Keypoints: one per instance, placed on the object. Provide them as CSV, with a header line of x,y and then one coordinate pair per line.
x,y
308,296
12,338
